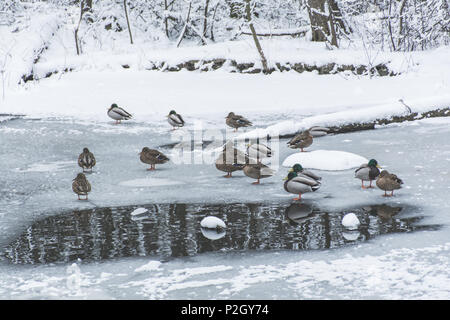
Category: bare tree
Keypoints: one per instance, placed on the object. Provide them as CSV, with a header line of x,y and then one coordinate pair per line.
x,y
180,38
248,12
324,16
128,20
77,43
205,18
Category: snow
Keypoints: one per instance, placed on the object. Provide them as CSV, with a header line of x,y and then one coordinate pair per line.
x,y
213,234
330,160
138,211
150,266
149,182
212,222
350,221
67,112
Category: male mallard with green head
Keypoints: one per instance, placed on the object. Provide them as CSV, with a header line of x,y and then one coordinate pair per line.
x,y
302,140
152,157
86,160
298,183
175,119
297,168
388,182
236,121
368,172
81,186
117,113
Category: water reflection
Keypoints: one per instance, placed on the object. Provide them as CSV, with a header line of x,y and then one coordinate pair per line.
x,y
173,230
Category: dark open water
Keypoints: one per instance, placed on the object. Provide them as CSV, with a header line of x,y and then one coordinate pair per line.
x,y
173,230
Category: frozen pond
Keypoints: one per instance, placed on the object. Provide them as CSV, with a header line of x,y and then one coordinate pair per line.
x,y
54,246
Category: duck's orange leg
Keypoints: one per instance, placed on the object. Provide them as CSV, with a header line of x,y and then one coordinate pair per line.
x,y
256,182
299,197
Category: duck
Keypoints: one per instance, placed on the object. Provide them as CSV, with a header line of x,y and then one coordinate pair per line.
x,y
257,171
86,160
388,182
175,119
317,131
297,168
152,157
236,121
81,186
302,140
237,163
258,151
368,172
299,184
117,113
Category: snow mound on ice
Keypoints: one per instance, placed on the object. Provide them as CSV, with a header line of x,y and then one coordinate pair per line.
x,y
350,221
139,211
325,160
151,266
149,182
212,223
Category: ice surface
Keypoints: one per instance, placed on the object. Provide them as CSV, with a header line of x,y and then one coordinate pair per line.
x,y
403,265
331,160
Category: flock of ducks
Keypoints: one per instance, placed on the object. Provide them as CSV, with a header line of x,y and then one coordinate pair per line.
x,y
298,180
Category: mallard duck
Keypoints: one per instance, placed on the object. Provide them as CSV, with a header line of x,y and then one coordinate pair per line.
x,y
236,160
236,121
317,131
152,157
81,186
302,140
86,160
175,119
117,113
257,171
368,172
297,168
258,151
299,183
388,182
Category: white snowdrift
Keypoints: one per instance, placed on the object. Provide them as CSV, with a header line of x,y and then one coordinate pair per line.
x,y
138,211
212,222
330,160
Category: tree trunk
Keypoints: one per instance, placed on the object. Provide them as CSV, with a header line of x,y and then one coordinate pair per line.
x,y
128,21
205,21
77,45
166,26
185,25
255,37
337,17
319,20
87,8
